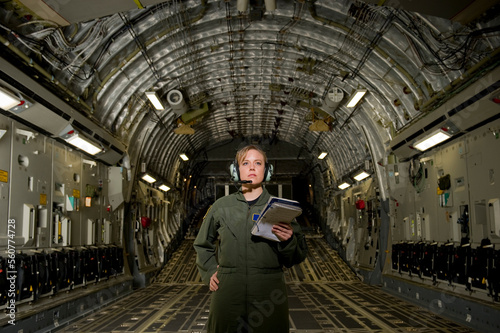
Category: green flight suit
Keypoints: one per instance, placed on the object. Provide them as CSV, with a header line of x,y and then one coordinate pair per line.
x,y
252,292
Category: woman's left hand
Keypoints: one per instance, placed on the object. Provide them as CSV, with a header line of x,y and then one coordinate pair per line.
x,y
283,231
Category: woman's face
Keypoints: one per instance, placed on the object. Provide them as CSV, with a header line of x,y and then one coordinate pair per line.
x,y
252,167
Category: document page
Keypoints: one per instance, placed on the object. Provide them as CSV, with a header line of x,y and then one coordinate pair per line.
x,y
277,210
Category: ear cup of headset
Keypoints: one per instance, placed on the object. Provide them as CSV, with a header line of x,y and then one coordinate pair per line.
x,y
268,172
234,171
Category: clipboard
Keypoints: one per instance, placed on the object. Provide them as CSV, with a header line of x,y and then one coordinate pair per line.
x,y
276,210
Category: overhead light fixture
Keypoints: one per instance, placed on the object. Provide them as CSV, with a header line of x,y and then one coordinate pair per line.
x,y
322,155
270,5
184,157
356,97
432,139
8,100
361,175
242,5
153,98
164,188
344,185
80,142
148,178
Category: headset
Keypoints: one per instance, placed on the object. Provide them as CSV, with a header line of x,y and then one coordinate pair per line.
x,y
234,171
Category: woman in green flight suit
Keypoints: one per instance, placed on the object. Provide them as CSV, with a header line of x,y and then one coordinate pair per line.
x,y
244,272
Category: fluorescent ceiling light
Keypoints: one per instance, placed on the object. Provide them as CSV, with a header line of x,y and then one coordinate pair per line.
x,y
83,144
155,100
322,155
242,5
184,157
148,178
432,139
270,5
8,100
362,175
356,97
164,188
344,185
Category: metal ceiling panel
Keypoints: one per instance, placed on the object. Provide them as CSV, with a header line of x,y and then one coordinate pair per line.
x,y
455,117
263,76
462,11
66,12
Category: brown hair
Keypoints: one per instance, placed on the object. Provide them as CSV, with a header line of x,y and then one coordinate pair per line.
x,y
240,155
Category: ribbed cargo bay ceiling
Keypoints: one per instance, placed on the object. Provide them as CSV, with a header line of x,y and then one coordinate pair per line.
x,y
233,71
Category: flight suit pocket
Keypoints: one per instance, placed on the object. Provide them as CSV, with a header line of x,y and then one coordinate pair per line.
x,y
228,247
264,254
224,274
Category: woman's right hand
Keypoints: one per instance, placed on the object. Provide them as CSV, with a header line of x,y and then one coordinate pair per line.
x,y
214,282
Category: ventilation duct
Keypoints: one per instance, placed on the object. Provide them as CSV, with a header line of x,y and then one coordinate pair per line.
x,y
332,100
176,101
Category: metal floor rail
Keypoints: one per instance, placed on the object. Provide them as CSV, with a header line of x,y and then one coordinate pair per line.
x,y
324,296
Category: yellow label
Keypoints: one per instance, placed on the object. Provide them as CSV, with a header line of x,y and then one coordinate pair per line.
x,y
76,194
43,199
139,4
4,176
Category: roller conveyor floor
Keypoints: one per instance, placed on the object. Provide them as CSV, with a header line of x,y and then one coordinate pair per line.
x,y
324,296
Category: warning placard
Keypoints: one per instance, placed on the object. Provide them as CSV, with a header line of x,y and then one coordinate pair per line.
x,y
4,176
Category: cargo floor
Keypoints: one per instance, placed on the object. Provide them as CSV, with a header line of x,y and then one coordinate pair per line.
x,y
324,296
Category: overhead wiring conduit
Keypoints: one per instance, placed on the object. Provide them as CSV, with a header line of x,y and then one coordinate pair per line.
x,y
457,85
419,93
146,45
433,102
142,48
29,61
380,178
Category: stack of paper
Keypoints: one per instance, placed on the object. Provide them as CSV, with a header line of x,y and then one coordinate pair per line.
x,y
277,210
